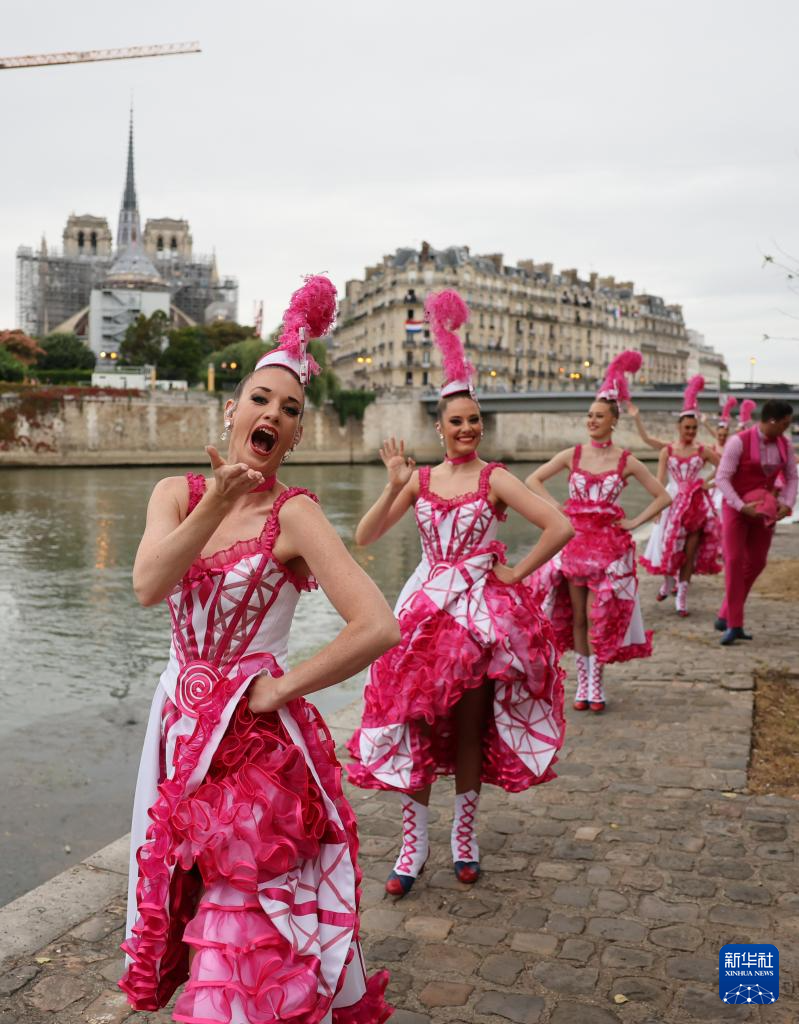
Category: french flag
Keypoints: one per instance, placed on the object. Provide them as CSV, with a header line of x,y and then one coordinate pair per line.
x,y
414,326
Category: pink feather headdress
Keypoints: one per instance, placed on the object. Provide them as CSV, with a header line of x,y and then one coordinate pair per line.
x,y
311,313
615,387
726,412
745,412
446,312
690,400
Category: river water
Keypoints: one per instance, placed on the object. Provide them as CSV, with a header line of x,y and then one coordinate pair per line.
x,y
79,659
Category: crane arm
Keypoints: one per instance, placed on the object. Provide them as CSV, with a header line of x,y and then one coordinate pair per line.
x,y
85,56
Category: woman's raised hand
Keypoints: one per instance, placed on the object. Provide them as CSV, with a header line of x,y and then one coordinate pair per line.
x,y
400,469
233,480
631,409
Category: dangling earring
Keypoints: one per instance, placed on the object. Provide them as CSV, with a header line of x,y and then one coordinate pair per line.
x,y
287,455
226,432
441,440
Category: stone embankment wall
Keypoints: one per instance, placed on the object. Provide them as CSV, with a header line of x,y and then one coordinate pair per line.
x,y
73,430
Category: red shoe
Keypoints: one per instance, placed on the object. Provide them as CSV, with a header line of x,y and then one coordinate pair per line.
x,y
401,885
597,706
580,705
467,871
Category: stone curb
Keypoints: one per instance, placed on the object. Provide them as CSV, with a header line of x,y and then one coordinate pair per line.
x,y
38,917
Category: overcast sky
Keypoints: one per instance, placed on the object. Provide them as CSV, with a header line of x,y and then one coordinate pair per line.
x,y
655,141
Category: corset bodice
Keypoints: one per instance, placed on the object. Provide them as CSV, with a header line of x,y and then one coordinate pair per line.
x,y
685,469
238,603
452,529
596,488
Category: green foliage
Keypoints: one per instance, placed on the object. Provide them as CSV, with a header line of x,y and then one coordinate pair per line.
x,y
325,385
72,376
352,403
11,368
245,354
186,355
223,333
65,352
144,339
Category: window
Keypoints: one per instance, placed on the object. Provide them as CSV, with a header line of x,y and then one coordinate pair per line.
x,y
160,243
409,378
410,314
81,239
173,244
409,358
425,377
93,238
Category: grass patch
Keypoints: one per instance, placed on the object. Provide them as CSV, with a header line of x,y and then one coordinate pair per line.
x,y
774,764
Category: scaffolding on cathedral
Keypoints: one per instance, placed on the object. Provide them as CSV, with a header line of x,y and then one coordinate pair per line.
x,y
54,286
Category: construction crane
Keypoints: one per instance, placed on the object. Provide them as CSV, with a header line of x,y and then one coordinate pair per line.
x,y
86,56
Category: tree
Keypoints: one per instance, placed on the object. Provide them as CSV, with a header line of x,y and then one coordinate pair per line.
x,y
325,385
185,356
223,333
11,368
65,352
245,354
144,339
23,348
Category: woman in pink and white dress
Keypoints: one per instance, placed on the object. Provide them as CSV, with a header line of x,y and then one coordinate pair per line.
x,y
244,874
720,436
590,589
473,688
687,540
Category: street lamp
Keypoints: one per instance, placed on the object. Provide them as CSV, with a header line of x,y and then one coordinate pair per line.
x,y
752,362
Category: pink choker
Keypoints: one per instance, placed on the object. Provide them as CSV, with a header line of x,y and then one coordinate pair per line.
x,y
459,461
266,485
601,444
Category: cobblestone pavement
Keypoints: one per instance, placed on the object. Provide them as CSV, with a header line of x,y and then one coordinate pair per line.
x,y
606,894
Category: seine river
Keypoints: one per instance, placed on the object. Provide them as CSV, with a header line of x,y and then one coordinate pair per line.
x,y
79,659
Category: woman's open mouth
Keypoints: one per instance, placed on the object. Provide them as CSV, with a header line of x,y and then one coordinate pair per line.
x,y
263,440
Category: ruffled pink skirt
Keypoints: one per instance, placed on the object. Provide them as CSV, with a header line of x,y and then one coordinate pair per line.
x,y
601,557
691,511
258,814
413,689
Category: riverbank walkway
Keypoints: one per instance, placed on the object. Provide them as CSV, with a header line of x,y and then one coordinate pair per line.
x,y
606,894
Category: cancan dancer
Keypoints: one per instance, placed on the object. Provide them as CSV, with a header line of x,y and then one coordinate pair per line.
x,y
473,688
757,478
244,874
720,436
687,537
590,589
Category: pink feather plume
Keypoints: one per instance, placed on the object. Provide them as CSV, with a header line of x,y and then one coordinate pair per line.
x,y
746,410
312,307
691,394
729,405
615,380
446,311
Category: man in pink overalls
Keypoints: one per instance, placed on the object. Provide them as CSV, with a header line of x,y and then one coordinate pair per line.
x,y
753,502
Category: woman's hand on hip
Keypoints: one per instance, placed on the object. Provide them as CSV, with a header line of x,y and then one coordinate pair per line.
x,y
504,573
264,694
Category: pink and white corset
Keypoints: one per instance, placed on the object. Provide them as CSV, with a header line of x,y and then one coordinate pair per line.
x,y
461,627
691,511
252,802
600,556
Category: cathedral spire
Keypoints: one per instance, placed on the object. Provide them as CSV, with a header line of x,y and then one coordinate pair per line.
x,y
129,231
129,199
